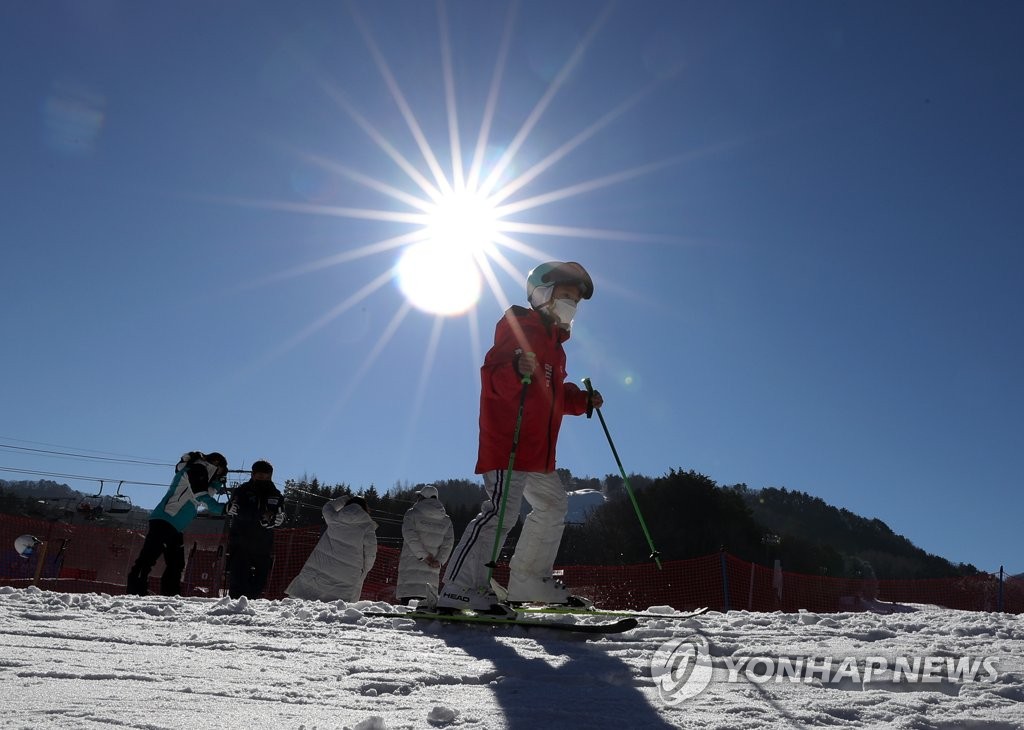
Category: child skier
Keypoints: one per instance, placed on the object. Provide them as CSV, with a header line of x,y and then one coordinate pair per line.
x,y
527,346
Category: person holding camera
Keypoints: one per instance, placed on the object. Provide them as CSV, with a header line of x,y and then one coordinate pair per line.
x,y
198,481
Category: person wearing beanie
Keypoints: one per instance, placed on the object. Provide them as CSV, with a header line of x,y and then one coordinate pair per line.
x,y
255,508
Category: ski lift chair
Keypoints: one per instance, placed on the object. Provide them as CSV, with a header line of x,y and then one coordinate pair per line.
x,y
119,503
91,507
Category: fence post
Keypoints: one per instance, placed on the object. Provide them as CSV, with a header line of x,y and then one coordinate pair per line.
x,y
40,562
750,593
725,580
999,599
41,565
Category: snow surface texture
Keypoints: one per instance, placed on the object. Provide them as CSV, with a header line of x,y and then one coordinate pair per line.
x,y
89,660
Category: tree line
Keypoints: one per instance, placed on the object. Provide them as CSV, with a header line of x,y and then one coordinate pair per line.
x,y
687,514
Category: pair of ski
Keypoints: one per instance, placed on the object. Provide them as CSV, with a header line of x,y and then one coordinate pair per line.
x,y
615,622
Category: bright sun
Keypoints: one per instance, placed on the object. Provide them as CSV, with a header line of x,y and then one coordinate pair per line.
x,y
458,222
440,273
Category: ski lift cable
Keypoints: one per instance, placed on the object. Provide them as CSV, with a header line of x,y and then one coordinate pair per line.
x,y
83,457
296,490
121,460
121,482
81,451
326,499
56,475
312,494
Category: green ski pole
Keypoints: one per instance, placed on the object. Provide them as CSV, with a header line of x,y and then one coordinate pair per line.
x,y
655,555
508,480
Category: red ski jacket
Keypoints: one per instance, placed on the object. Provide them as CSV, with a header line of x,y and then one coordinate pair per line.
x,y
548,397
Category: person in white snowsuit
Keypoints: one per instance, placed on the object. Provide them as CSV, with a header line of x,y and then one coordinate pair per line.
x,y
339,563
427,540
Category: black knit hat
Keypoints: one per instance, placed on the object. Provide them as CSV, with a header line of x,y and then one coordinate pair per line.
x,y
217,459
263,466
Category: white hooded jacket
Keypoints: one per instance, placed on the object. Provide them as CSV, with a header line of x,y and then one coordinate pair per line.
x,y
426,530
339,563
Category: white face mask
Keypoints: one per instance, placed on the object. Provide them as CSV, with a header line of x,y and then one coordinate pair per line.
x,y
563,310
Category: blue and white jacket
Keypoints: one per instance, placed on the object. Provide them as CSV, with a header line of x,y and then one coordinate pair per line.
x,y
193,484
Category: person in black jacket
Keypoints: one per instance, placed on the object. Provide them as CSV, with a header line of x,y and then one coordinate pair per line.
x,y
255,508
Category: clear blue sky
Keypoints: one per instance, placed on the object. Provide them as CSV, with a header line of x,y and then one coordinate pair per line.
x,y
804,221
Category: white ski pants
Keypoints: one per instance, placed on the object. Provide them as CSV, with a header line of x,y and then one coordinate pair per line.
x,y
541,535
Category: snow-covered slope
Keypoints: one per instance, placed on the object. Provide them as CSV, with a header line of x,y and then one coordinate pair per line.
x,y
87,661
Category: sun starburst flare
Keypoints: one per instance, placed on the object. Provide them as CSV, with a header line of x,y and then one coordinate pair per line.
x,y
464,221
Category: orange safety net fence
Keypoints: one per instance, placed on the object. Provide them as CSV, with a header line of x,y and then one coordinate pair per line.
x,y
88,558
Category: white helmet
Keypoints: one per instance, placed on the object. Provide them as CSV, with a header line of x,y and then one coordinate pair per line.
x,y
542,279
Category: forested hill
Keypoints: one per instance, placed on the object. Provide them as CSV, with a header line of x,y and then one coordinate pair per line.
x,y
689,515
863,544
